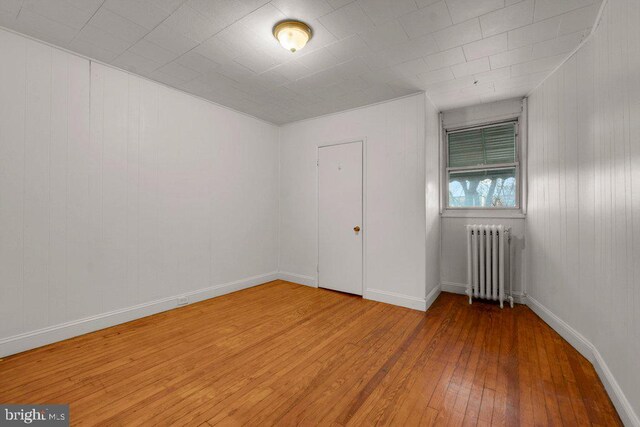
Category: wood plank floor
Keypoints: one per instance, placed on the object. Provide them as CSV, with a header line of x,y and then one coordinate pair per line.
x,y
286,354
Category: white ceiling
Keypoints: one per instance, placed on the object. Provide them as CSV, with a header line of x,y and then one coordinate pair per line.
x,y
461,52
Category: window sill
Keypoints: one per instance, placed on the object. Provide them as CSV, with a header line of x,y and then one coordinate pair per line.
x,y
481,213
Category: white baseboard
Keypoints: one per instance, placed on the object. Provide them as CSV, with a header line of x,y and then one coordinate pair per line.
x,y
396,299
372,294
431,297
298,278
575,338
589,351
29,340
461,288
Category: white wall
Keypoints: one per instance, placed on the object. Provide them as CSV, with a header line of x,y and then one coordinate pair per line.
x,y
432,199
396,270
117,194
453,268
583,224
482,113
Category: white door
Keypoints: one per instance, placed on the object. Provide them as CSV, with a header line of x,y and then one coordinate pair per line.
x,y
340,217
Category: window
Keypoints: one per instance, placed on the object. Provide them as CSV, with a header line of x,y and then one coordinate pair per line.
x,y
483,168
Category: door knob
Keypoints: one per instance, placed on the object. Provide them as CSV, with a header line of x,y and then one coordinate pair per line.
x,y
356,229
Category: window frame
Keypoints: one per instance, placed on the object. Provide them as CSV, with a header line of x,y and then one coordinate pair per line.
x,y
516,164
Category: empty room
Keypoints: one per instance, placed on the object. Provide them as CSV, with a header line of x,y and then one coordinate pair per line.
x,y
320,212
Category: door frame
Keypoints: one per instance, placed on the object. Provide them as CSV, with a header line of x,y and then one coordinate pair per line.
x,y
364,226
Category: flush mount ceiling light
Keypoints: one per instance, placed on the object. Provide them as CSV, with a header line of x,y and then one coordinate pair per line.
x,y
292,35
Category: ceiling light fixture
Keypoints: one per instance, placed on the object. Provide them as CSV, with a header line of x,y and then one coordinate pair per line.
x,y
292,35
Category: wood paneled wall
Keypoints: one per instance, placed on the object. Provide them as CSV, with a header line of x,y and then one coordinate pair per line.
x,y
116,191
583,225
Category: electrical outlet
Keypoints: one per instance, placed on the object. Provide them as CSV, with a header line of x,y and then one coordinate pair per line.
x,y
183,300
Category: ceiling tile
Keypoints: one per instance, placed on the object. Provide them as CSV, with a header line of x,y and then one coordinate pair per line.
x,y
337,4
397,54
318,60
136,63
422,46
257,61
197,62
88,6
462,10
62,11
304,10
166,79
235,71
361,51
320,37
153,52
191,24
102,39
509,18
347,48
385,35
379,76
379,93
486,47
11,7
493,75
293,70
352,68
262,20
563,44
459,34
534,33
7,20
347,20
425,3
516,56
171,39
117,26
38,26
178,71
426,20
197,86
528,79
168,6
411,68
143,12
333,91
536,66
471,67
217,81
273,77
445,59
92,51
449,86
354,84
235,41
441,75
548,8
216,50
221,12
381,11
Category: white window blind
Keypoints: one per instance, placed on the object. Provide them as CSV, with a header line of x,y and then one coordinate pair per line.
x,y
482,167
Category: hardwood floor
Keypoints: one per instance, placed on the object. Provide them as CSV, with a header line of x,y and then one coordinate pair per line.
x,y
287,354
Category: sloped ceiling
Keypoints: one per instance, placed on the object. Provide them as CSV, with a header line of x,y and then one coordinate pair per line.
x,y
461,52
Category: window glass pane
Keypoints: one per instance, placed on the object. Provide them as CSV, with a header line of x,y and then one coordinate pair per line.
x,y
483,189
486,146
